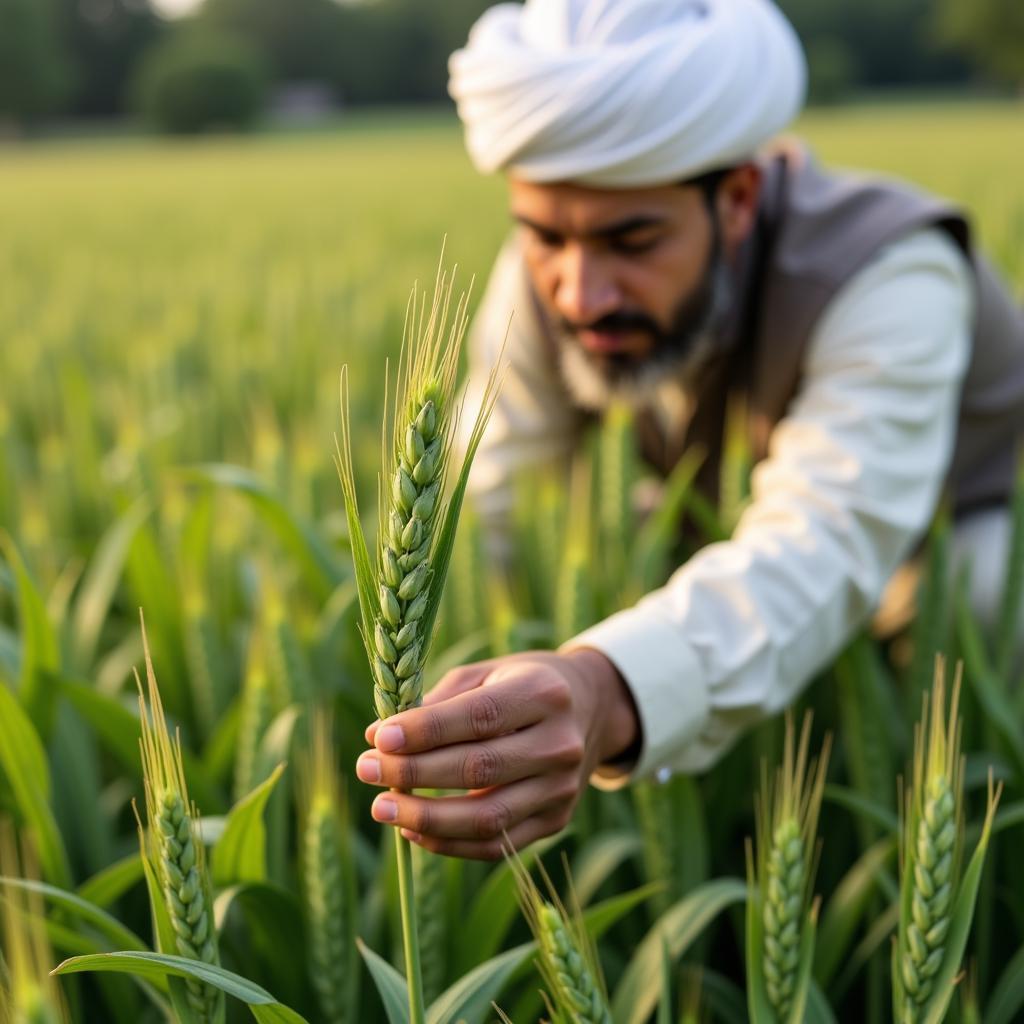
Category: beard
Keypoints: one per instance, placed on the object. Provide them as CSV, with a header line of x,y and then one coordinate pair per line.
x,y
676,353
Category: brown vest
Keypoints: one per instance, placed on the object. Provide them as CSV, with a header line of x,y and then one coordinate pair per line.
x,y
815,230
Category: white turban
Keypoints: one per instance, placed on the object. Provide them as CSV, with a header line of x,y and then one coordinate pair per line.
x,y
625,93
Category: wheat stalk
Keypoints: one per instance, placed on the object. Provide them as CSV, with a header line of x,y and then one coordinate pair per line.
x,y
203,656
255,717
933,842
286,655
617,470
575,598
28,992
937,897
786,814
399,594
329,885
175,847
783,904
653,809
567,969
429,871
404,569
400,591
567,960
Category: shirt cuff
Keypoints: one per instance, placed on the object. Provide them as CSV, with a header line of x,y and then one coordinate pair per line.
x,y
664,676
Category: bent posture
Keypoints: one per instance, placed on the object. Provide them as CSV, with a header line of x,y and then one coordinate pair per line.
x,y
667,252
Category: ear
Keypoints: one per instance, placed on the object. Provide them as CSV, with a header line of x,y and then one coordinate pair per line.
x,y
736,204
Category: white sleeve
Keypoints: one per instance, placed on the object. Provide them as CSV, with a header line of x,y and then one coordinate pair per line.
x,y
851,480
533,421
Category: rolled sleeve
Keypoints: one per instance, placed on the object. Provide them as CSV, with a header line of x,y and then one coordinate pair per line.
x,y
670,691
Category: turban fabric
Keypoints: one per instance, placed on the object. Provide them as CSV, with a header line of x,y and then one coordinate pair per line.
x,y
625,93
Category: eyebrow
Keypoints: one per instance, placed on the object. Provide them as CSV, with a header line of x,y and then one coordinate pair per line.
x,y
621,227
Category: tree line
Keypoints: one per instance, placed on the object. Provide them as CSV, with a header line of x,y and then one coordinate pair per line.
x,y
80,58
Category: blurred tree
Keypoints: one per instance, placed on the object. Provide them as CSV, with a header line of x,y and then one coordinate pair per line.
x,y
388,51
196,81
991,31
832,68
105,40
301,39
397,50
872,44
33,65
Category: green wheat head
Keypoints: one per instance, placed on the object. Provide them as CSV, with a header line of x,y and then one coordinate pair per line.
x,y
175,849
400,590
781,918
566,957
936,896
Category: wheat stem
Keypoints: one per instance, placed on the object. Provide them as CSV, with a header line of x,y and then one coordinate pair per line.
x,y
429,875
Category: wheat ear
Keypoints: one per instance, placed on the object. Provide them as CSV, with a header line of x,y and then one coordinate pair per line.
x,y
175,847
933,841
567,960
937,893
787,823
400,591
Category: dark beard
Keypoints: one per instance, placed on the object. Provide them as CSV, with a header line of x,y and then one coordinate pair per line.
x,y
676,351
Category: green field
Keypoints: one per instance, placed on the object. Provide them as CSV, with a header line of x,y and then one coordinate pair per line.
x,y
174,317
195,296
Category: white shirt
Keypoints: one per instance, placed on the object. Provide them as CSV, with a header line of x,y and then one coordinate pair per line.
x,y
850,483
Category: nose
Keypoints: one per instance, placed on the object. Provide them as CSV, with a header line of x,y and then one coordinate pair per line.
x,y
585,289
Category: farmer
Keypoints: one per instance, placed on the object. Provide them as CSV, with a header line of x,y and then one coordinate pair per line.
x,y
669,254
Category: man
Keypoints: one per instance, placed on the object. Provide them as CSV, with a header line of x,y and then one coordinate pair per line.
x,y
667,255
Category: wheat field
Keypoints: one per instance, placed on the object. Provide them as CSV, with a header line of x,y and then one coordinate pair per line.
x,y
174,319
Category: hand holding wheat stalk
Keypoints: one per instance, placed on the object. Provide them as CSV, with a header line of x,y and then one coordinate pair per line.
x,y
400,591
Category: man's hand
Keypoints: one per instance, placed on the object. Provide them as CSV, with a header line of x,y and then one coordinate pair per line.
x,y
520,734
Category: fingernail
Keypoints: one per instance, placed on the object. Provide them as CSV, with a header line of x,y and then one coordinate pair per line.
x,y
384,809
368,768
390,738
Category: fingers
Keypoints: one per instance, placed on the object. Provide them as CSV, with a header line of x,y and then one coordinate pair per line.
x,y
520,836
480,819
458,680
547,747
517,694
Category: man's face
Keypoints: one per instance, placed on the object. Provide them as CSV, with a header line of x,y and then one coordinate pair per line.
x,y
635,281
